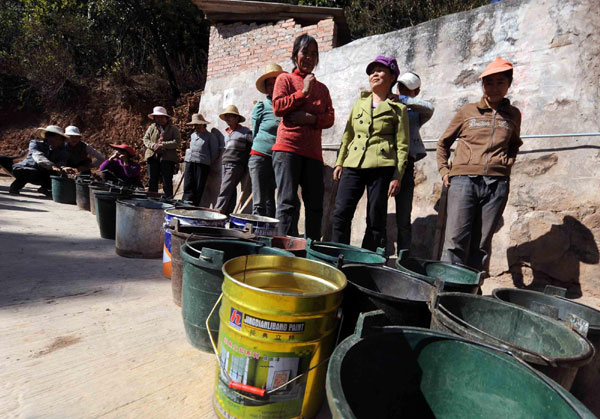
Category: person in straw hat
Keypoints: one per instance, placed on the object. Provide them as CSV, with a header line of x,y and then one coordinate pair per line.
x,y
264,129
488,140
161,140
203,151
45,158
238,142
121,167
82,156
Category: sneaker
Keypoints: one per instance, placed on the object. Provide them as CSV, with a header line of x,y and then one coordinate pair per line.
x,y
45,191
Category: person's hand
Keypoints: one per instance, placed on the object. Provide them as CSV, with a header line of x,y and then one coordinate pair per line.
x,y
301,118
337,173
446,180
114,155
69,170
309,82
157,147
394,188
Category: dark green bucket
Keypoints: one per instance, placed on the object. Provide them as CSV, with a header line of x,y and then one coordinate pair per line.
x,y
456,278
64,190
338,254
202,280
586,386
82,193
106,213
547,344
411,372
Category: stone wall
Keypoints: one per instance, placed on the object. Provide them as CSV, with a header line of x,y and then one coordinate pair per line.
x,y
551,226
241,46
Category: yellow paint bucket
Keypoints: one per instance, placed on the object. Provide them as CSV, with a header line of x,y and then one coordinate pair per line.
x,y
278,324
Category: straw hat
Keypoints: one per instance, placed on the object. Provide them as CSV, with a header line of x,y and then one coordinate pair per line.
x,y
232,109
499,65
72,131
55,129
158,111
271,70
124,147
198,119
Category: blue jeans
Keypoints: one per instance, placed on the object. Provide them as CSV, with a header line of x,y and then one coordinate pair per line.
x,y
474,210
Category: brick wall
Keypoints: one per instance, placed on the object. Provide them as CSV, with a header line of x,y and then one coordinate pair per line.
x,y
240,46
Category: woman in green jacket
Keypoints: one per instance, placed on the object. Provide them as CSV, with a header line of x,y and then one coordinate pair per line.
x,y
373,155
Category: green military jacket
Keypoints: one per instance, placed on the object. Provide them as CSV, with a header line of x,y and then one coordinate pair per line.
x,y
170,141
375,137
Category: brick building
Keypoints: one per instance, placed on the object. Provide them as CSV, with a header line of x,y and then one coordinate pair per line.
x,y
250,34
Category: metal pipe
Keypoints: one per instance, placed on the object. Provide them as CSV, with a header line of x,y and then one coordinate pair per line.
x,y
335,146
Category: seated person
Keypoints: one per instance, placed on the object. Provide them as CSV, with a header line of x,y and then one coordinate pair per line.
x,y
45,158
120,167
82,156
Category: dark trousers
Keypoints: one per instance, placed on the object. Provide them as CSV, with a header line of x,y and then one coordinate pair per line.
x,y
263,185
293,170
194,181
27,175
404,206
473,213
160,169
233,174
350,190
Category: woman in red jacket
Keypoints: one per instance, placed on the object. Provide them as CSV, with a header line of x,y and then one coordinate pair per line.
x,y
305,107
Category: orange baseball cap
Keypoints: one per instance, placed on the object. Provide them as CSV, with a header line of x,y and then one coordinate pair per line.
x,y
499,65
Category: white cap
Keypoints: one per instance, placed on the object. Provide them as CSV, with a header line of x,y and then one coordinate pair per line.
x,y
72,131
410,80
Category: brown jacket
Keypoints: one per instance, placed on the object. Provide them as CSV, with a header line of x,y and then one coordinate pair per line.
x,y
488,140
170,141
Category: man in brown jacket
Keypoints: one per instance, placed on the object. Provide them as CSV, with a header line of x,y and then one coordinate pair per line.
x,y
161,140
488,139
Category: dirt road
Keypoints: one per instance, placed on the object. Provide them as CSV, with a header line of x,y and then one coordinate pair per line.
x,y
86,333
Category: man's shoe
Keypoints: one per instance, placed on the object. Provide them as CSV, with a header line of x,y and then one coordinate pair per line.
x,y
14,191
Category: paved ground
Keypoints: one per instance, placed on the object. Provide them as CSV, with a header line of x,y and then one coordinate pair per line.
x,y
86,333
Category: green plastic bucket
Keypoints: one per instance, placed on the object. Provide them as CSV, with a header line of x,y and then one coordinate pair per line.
x,y
202,281
63,190
586,386
106,213
338,254
456,278
547,344
412,372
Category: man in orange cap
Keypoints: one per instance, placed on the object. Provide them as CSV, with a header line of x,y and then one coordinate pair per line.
x,y
488,139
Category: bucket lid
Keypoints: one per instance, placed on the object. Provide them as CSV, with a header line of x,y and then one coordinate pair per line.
x,y
196,214
255,218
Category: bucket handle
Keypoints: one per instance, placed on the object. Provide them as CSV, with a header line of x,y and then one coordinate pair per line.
x,y
207,259
235,385
457,319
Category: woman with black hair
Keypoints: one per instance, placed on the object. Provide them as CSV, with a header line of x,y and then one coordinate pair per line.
x,y
305,106
372,156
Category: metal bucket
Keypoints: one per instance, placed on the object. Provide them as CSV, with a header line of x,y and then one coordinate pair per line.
x,y
417,373
202,280
179,235
456,278
586,386
139,228
82,193
63,190
337,254
261,226
277,329
187,217
402,298
295,245
546,344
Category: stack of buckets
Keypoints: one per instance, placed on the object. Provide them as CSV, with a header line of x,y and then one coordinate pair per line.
x,y
274,320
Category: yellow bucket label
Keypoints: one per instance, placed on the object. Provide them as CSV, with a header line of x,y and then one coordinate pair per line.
x,y
265,370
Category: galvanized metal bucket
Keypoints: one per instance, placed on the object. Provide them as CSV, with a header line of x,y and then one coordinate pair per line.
x,y
277,330
261,226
